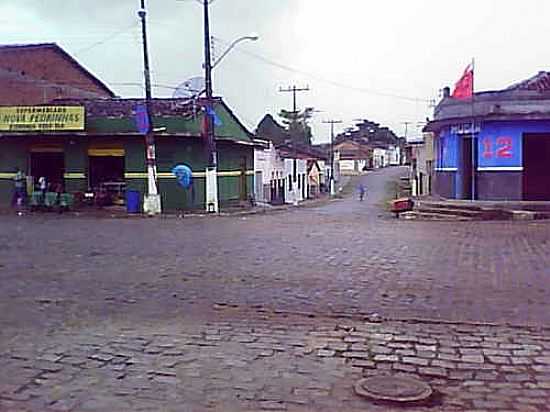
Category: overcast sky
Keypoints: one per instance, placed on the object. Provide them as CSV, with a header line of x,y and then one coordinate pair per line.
x,y
381,60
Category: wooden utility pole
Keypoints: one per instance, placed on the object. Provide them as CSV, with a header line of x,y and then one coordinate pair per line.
x,y
294,90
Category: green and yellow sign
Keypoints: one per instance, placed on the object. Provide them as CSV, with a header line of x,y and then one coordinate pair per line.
x,y
41,118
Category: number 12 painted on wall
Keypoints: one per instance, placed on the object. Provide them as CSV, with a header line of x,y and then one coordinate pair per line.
x,y
501,147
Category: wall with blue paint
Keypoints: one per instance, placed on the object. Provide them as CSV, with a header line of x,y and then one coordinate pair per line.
x,y
500,144
447,150
499,158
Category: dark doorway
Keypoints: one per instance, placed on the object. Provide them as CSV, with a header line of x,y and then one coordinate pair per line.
x,y
106,169
243,183
536,168
469,154
50,165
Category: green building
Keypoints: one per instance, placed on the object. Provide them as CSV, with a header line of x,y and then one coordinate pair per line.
x,y
86,144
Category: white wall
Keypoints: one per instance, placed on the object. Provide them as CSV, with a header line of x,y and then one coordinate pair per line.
x,y
271,166
380,158
394,155
294,192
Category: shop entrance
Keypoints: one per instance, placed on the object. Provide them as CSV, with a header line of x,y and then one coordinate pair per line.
x,y
50,165
106,169
536,170
469,156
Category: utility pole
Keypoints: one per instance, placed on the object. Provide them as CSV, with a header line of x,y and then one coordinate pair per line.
x,y
406,128
212,204
332,123
151,203
294,90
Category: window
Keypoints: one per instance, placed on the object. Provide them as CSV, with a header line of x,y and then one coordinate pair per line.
x,y
290,183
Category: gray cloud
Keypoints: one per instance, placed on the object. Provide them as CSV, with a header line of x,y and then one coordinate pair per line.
x,y
398,47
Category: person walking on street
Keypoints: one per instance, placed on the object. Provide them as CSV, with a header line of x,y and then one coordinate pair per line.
x,y
362,190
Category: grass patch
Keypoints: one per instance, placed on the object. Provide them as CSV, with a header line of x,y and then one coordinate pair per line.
x,y
395,189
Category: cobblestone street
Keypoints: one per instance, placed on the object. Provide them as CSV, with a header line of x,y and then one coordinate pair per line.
x,y
281,311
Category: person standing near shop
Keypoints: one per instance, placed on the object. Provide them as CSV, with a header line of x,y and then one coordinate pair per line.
x,y
20,192
42,186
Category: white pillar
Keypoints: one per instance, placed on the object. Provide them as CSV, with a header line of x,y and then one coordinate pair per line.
x,y
212,204
151,201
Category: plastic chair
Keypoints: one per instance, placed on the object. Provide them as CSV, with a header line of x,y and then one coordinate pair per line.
x,y
50,200
66,200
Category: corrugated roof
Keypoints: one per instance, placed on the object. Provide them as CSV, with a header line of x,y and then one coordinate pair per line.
x,y
539,82
177,116
126,107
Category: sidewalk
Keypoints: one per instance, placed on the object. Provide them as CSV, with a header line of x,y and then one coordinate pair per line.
x,y
257,362
120,212
438,208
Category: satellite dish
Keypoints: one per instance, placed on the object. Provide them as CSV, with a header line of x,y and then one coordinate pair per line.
x,y
190,88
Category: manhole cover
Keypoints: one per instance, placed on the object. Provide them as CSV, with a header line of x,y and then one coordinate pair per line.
x,y
393,388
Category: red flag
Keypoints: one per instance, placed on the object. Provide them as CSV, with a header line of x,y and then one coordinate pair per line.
x,y
464,88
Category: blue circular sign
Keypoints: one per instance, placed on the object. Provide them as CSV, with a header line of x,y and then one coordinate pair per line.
x,y
184,175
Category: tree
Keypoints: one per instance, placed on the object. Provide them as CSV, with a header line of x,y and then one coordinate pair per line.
x,y
297,126
269,129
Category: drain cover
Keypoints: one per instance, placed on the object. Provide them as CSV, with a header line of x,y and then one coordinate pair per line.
x,y
393,388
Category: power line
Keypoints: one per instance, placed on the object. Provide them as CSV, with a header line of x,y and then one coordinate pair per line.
x,y
294,90
106,39
325,80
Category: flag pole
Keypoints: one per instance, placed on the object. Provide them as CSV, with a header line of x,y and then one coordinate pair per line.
x,y
474,140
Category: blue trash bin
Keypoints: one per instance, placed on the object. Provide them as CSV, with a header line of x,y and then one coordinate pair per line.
x,y
132,201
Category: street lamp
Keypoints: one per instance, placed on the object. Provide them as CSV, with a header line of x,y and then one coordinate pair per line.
x,y
251,37
212,203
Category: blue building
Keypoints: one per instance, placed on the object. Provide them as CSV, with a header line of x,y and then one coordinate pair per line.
x,y
495,146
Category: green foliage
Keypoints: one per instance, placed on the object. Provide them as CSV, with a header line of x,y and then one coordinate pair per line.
x,y
296,124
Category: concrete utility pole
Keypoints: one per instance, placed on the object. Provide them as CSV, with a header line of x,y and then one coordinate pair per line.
x,y
406,128
332,123
212,204
151,202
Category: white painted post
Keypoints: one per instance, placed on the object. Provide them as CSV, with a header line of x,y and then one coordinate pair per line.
x,y
212,205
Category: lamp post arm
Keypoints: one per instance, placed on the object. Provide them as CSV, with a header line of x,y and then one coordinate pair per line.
x,y
232,46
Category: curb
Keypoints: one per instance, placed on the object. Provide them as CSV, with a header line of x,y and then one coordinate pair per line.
x,y
107,215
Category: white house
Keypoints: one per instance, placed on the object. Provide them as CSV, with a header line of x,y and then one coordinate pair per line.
x,y
380,157
296,181
421,172
394,155
269,173
281,174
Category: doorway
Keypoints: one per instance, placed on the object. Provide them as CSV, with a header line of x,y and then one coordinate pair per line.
x,y
469,166
243,183
50,165
106,169
536,170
